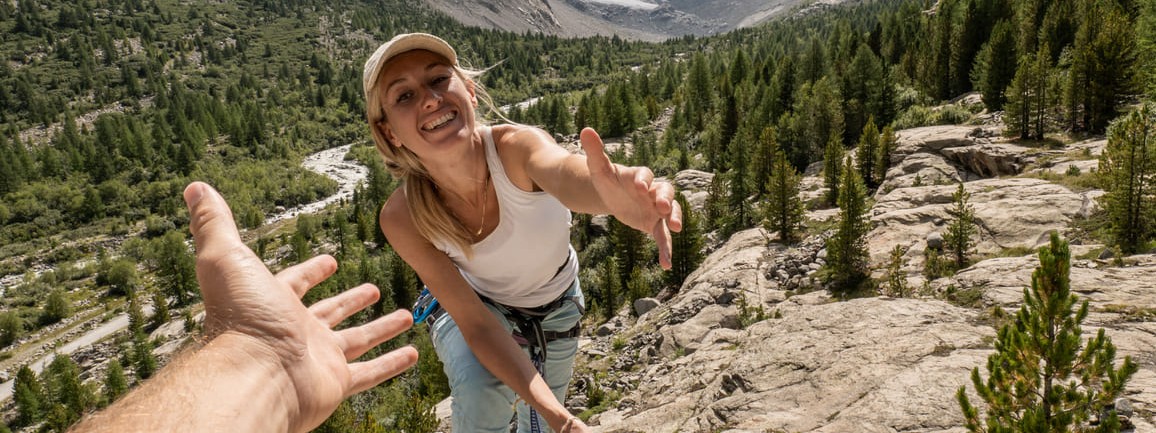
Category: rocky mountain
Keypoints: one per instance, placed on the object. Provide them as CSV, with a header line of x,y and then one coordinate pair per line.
x,y
631,19
749,343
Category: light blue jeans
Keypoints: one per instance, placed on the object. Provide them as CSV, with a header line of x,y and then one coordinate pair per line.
x,y
481,402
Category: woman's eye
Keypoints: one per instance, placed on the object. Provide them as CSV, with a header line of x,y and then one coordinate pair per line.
x,y
404,96
440,80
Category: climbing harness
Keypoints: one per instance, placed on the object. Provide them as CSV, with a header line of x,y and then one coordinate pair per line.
x,y
528,333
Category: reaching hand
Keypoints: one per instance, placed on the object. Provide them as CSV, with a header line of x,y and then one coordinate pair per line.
x,y
243,299
633,196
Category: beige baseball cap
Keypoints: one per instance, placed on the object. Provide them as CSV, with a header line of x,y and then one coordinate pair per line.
x,y
400,44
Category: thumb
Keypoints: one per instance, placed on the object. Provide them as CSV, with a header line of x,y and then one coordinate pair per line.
x,y
210,219
596,158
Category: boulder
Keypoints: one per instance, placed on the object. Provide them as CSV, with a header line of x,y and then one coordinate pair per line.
x,y
644,305
1013,212
694,186
989,160
868,365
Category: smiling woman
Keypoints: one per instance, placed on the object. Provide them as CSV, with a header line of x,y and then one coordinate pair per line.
x,y
483,218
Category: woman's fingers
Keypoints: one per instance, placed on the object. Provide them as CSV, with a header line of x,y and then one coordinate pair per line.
x,y
332,311
365,375
674,223
303,276
596,160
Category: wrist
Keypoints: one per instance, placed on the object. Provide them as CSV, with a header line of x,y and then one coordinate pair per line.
x,y
252,372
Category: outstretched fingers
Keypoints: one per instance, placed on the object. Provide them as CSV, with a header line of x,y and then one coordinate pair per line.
x,y
357,340
332,311
596,160
303,276
210,219
365,375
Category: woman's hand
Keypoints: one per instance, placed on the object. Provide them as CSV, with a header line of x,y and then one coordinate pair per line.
x,y
633,196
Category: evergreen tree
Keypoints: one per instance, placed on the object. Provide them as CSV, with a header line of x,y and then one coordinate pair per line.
x,y
1039,379
896,282
715,206
67,391
862,92
957,238
763,160
819,118
629,248
637,287
784,209
686,246
833,169
738,202
610,288
160,309
1102,64
866,153
846,267
176,267
115,383
1027,97
1128,171
995,66
887,145
29,397
143,359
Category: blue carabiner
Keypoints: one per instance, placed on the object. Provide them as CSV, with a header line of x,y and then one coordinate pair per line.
x,y
425,305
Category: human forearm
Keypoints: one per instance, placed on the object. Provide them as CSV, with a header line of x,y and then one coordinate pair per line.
x,y
230,384
506,361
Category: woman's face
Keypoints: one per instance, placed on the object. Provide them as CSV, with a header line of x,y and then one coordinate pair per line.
x,y
428,107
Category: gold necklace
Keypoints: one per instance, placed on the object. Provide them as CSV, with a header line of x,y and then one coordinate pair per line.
x,y
485,189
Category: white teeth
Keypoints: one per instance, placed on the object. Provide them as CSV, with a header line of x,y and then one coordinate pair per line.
x,y
440,121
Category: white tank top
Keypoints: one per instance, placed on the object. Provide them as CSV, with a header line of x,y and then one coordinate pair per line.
x,y
527,261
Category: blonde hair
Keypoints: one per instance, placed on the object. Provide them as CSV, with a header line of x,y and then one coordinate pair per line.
x,y
433,219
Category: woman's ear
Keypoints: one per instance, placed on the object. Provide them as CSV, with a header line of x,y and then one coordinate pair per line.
x,y
472,88
387,132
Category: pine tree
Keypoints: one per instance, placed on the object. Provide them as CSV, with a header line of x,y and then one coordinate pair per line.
x,y
866,153
862,91
176,267
67,391
763,160
1027,97
686,246
29,397
847,248
738,202
1127,168
610,288
637,287
887,145
115,384
1039,379
160,309
957,238
896,282
784,209
1103,58
144,362
996,66
833,169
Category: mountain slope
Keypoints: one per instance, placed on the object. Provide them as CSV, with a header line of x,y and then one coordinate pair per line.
x,y
631,19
